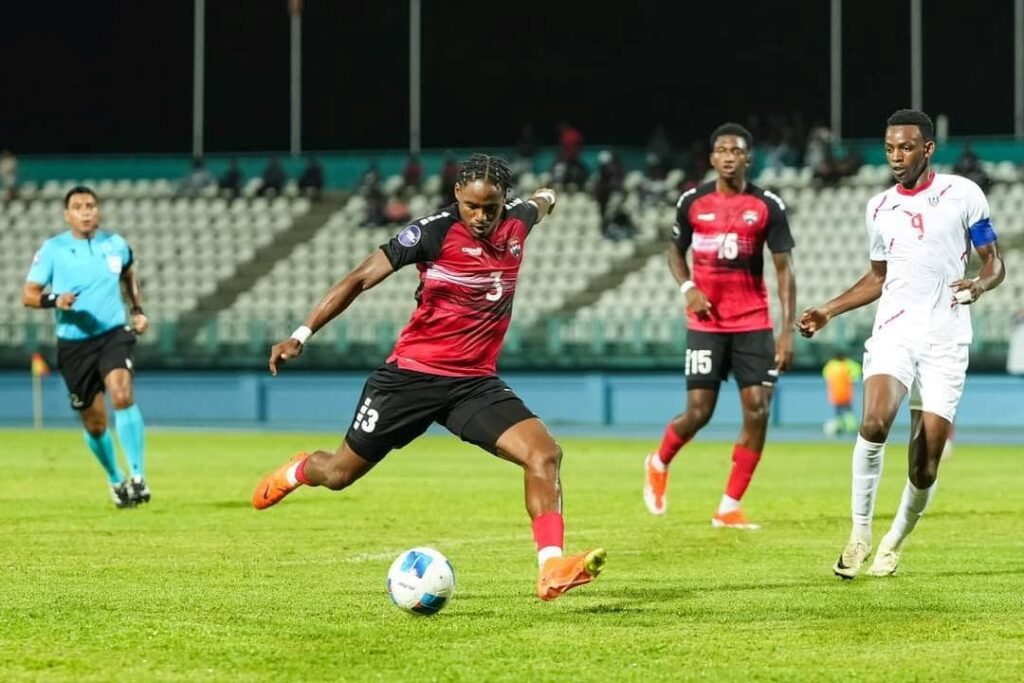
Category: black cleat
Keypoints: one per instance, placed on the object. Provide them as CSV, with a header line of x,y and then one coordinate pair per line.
x,y
121,494
138,491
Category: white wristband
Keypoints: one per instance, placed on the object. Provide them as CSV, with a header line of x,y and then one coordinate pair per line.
x,y
686,286
302,334
546,195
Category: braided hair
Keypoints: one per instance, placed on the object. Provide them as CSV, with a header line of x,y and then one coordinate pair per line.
x,y
489,169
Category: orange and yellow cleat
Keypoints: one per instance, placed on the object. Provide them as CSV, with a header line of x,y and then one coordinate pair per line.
x,y
655,484
276,485
560,574
732,520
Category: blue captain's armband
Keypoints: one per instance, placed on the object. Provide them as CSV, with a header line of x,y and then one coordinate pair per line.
x,y
982,233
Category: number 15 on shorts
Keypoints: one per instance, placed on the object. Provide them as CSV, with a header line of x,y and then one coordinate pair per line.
x,y
698,362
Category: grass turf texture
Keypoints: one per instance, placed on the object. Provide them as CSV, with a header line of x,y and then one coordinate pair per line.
x,y
198,586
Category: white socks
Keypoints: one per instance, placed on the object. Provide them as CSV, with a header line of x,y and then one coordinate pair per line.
x,y
867,472
546,553
912,506
728,505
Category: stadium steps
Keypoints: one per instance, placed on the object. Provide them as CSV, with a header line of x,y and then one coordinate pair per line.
x,y
262,262
613,278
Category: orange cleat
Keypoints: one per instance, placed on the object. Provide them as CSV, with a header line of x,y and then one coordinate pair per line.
x,y
560,574
275,486
732,520
655,484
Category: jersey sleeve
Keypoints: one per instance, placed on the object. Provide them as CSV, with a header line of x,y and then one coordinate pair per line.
x,y
876,245
979,218
419,241
41,270
524,211
682,229
777,233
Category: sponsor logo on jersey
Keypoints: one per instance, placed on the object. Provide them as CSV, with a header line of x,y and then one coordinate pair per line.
x,y
410,236
515,247
705,216
749,217
473,251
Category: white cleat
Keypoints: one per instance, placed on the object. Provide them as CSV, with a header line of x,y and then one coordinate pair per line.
x,y
853,557
887,559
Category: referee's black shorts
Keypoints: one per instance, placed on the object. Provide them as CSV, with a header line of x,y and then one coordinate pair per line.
x,y
84,363
399,405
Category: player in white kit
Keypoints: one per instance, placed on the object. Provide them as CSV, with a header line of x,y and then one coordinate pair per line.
x,y
920,234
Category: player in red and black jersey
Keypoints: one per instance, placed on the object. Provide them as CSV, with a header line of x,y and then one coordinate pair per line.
x,y
442,368
725,224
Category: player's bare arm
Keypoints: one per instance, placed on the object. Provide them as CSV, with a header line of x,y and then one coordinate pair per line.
x,y
368,274
696,300
544,199
865,291
33,296
993,271
787,298
132,292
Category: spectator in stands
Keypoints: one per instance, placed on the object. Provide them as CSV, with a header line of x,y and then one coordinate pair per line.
x,y
570,143
655,181
371,177
311,182
608,180
273,179
819,143
412,173
969,166
661,146
196,181
827,172
526,152
230,183
617,224
449,177
695,165
376,201
9,174
569,175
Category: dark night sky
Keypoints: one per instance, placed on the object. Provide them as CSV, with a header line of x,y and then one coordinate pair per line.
x,y
116,75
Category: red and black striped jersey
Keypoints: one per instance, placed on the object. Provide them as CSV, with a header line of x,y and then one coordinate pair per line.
x,y
465,293
727,234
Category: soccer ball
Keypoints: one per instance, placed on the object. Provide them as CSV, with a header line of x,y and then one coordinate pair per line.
x,y
421,581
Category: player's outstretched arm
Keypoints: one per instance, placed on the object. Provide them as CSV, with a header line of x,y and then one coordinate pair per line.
x,y
132,291
866,290
993,271
544,199
371,272
787,297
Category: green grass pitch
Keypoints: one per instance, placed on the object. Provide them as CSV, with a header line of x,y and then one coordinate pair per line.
x,y
197,586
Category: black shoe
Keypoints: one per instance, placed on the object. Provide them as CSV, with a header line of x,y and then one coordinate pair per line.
x,y
138,491
121,493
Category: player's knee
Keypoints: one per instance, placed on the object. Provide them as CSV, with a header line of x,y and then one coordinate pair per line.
x,y
756,414
121,398
874,428
95,427
544,460
699,415
923,474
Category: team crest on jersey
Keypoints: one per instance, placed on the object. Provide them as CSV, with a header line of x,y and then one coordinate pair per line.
x,y
750,217
515,247
933,200
410,236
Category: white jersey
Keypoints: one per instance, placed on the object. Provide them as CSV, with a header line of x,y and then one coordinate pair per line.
x,y
924,236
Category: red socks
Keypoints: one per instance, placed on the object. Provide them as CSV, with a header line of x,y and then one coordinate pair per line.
x,y
300,472
549,530
670,444
744,461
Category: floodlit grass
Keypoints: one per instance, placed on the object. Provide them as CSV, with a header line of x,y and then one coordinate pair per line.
x,y
199,586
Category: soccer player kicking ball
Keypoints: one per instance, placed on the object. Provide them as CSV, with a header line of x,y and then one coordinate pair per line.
x,y
727,223
442,368
920,234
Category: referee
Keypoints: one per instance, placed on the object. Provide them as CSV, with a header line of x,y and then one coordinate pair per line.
x,y
86,270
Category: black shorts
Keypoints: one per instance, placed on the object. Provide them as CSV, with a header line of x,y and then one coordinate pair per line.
x,y
84,363
399,405
710,356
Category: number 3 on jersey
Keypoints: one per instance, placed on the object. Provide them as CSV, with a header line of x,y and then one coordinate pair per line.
x,y
728,245
498,290
367,418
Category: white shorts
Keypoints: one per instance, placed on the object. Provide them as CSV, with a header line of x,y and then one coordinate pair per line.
x,y
934,374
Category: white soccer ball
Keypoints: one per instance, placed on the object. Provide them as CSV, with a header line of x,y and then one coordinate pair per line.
x,y
421,581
